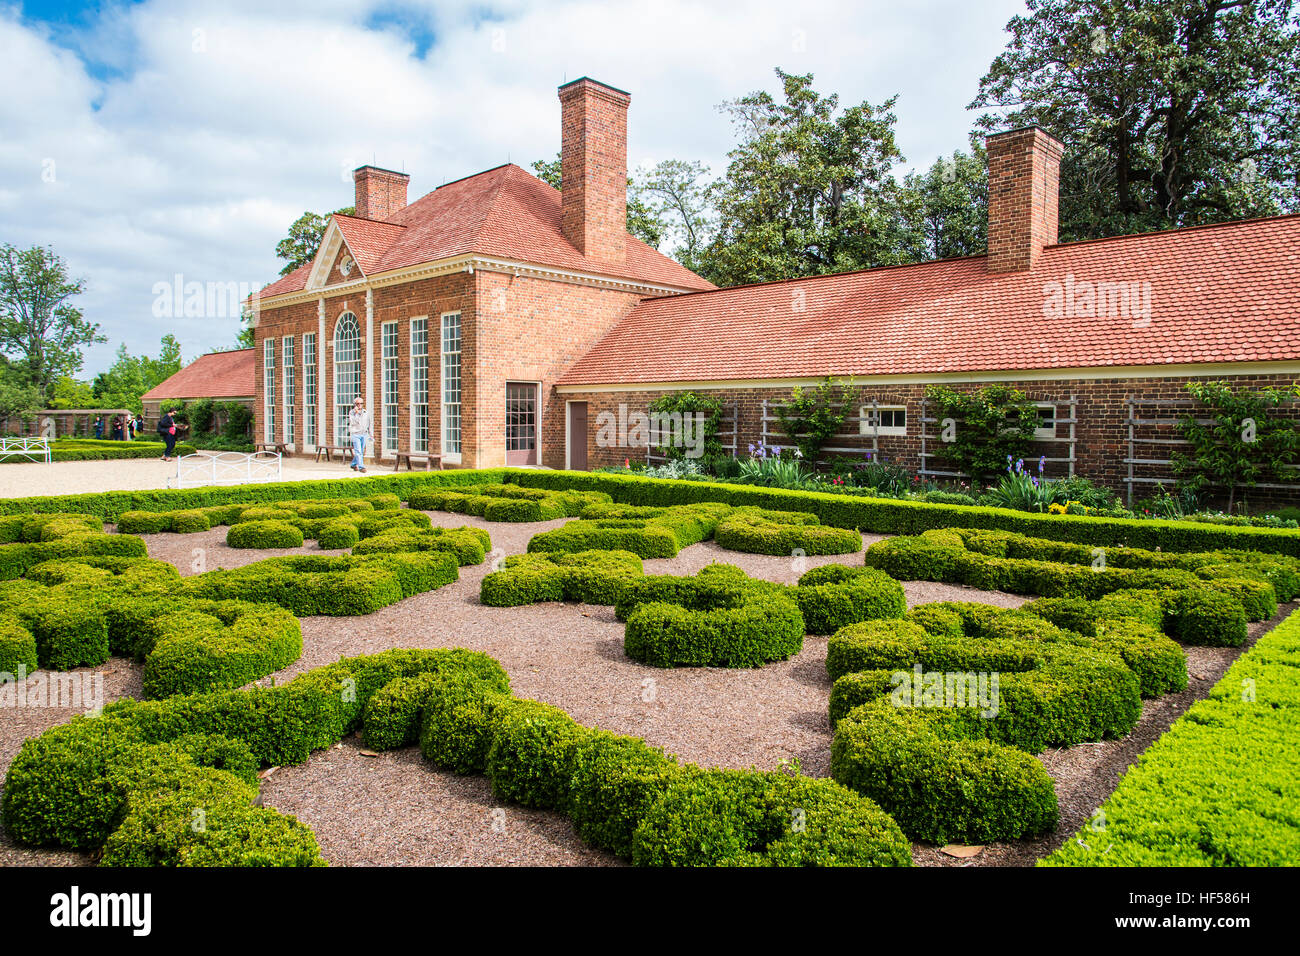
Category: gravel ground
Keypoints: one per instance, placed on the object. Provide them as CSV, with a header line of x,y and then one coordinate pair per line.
x,y
21,479
395,809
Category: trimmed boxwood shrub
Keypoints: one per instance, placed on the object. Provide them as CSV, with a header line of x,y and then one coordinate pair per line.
x,y
188,522
1218,788
458,722
760,630
17,559
782,532
336,535
615,781
1206,617
264,533
592,577
946,769
320,584
392,715
143,522
649,533
749,818
469,545
831,599
17,647
531,760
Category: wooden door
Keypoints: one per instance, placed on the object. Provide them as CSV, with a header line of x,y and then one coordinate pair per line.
x,y
577,436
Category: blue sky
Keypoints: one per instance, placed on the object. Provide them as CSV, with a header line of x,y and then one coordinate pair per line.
x,y
165,138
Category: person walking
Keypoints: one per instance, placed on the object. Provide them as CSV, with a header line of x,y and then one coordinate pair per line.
x,y
99,427
117,428
167,429
360,430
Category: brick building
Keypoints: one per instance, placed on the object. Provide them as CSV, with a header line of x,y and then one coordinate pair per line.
x,y
496,320
219,376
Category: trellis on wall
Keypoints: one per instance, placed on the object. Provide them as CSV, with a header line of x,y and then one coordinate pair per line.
x,y
1153,436
728,435
1069,442
772,438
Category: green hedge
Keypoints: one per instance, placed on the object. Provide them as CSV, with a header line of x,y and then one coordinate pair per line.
x,y
91,449
264,534
898,517
469,545
130,780
1218,789
775,532
317,584
506,502
649,533
956,765
592,577
834,596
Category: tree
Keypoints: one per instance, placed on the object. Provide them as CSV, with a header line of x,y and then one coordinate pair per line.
x,y
808,189
814,416
305,235
1172,113
69,392
675,195
641,221
37,322
129,377
1243,442
945,209
18,397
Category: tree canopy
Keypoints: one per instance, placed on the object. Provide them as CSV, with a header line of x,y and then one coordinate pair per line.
x,y
299,247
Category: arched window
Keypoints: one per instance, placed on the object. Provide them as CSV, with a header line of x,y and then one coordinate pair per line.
x,y
347,372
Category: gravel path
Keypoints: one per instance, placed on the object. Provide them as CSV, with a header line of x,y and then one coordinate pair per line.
x,y
396,809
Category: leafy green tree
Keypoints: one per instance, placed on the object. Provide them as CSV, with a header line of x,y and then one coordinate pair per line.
x,y
641,220
1172,112
982,431
38,323
945,208
299,247
685,405
69,392
808,189
130,376
1243,442
679,197
18,397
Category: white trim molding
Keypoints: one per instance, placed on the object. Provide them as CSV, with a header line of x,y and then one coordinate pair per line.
x,y
1019,375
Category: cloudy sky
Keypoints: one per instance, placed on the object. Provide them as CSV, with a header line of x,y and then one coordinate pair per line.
x,y
148,140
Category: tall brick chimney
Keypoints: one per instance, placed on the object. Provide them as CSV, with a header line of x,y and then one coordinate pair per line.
x,y
593,168
380,192
1024,189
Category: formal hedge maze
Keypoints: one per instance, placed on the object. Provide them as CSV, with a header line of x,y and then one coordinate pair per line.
x,y
938,713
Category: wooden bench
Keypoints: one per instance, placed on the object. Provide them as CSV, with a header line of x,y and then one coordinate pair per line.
x,y
329,451
278,447
410,459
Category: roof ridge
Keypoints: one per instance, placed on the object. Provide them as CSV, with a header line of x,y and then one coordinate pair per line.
x,y
1176,230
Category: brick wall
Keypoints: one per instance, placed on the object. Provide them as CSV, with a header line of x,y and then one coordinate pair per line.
x,y
1024,183
593,164
379,192
1101,433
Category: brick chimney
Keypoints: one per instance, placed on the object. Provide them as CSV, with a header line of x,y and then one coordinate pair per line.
x,y
593,168
1024,188
380,192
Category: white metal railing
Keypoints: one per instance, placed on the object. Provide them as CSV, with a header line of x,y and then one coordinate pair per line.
x,y
227,468
33,449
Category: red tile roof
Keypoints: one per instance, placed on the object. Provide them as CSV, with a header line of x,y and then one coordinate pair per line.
x,y
1223,293
503,212
216,375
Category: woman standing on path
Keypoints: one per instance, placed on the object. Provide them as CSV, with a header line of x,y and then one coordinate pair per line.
x,y
167,429
360,430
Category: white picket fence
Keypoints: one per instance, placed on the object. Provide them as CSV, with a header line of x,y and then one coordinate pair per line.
x,y
33,449
226,468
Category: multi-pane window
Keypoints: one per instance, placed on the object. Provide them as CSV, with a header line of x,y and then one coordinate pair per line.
x,y
347,373
309,388
268,389
290,371
390,359
883,420
420,385
451,384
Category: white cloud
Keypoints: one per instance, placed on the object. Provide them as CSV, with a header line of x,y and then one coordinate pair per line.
x,y
195,136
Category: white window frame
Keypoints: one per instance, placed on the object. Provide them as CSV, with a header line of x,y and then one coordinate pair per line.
x,y
288,360
866,427
417,446
310,391
341,420
1046,431
268,388
388,398
453,457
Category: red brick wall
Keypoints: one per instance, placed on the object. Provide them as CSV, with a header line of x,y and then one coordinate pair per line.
x,y
1101,433
514,328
